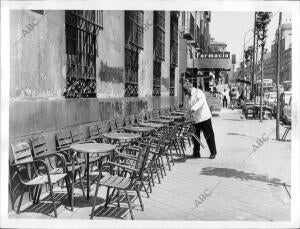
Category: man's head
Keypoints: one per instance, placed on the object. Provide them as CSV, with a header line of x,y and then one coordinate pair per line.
x,y
187,87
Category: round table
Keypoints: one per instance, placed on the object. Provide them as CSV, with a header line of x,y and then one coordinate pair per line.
x,y
90,148
174,117
178,113
139,129
121,136
152,124
165,121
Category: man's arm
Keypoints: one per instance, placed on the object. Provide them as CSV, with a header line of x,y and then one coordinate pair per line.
x,y
200,101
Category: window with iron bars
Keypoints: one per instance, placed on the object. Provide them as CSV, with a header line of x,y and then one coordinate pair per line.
x,y
172,80
156,78
158,49
159,35
133,44
82,27
174,49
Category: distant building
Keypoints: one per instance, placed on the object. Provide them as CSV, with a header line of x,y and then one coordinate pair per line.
x,y
270,62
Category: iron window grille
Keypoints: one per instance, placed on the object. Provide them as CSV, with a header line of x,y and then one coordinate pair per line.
x,y
82,28
156,78
174,49
158,49
134,42
172,81
174,38
159,35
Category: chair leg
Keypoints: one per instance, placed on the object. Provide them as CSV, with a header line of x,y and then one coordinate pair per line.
x,y
161,166
95,197
52,198
38,194
20,201
67,180
107,197
118,198
35,193
137,188
143,184
81,182
157,171
129,205
149,180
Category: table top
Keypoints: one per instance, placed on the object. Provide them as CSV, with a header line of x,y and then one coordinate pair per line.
x,y
152,124
139,129
178,113
162,120
121,136
171,116
92,147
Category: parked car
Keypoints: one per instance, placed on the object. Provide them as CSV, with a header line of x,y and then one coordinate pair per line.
x,y
270,99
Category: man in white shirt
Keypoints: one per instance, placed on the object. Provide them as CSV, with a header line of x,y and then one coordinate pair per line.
x,y
202,117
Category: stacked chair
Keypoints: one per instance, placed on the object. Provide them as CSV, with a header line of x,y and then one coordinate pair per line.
x,y
137,166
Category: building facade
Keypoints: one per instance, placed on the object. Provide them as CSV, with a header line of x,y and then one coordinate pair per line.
x,y
270,63
72,68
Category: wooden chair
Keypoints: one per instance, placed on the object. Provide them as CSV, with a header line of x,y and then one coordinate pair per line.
x,y
139,117
104,126
127,120
121,182
40,151
94,133
120,123
132,119
35,173
113,125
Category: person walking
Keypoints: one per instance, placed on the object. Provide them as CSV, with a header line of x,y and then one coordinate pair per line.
x,y
225,98
202,116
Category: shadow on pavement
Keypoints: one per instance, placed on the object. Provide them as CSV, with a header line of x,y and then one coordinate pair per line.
x,y
45,206
237,134
233,173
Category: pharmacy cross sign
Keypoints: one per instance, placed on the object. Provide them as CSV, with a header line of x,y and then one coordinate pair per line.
x,y
213,55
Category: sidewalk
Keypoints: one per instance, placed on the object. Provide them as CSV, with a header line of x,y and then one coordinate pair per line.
x,y
242,183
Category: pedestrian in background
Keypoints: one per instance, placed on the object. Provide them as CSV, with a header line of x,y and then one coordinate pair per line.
x,y
226,98
202,116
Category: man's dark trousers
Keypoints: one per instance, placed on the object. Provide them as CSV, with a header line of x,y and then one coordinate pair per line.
x,y
209,135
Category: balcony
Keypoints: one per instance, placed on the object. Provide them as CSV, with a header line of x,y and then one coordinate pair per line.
x,y
189,29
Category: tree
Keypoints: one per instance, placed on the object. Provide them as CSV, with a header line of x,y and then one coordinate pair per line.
x,y
248,55
262,19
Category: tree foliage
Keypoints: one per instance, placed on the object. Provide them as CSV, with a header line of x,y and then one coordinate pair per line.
x,y
261,23
248,55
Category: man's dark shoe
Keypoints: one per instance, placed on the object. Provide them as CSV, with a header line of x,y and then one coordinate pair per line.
x,y
196,155
212,156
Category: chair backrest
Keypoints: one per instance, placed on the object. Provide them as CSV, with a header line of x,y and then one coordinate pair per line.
x,y
142,158
63,139
21,152
104,126
39,146
93,130
139,117
155,113
132,119
112,124
127,120
77,135
120,122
